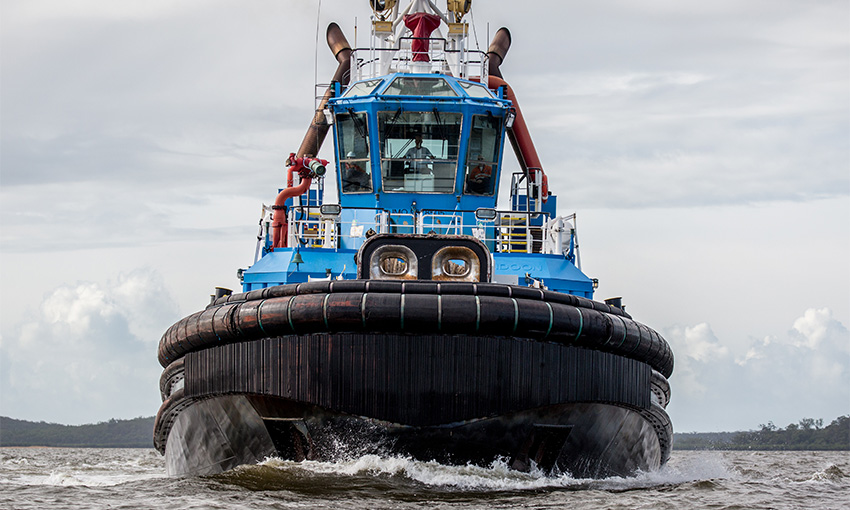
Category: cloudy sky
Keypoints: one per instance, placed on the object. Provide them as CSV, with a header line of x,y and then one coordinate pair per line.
x,y
704,145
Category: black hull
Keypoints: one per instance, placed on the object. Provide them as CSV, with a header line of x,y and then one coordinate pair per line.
x,y
589,440
470,373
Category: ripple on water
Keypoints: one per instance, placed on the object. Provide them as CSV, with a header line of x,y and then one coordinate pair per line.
x,y
70,478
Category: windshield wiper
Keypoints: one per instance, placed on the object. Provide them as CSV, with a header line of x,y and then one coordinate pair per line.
x,y
440,125
358,123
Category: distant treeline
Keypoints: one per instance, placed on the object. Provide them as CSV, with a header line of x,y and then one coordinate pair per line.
x,y
808,434
135,433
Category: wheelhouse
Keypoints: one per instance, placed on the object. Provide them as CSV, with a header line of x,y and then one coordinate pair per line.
x,y
432,140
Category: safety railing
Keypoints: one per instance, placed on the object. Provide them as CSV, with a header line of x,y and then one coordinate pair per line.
x,y
506,232
462,63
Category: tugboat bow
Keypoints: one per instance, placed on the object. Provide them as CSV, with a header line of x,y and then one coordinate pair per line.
x,y
413,315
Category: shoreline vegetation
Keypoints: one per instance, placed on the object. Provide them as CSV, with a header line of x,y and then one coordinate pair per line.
x,y
135,433
808,434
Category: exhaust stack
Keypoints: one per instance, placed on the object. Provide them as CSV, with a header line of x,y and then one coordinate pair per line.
x,y
518,134
318,129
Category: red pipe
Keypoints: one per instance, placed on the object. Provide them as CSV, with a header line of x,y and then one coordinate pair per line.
x,y
280,227
521,138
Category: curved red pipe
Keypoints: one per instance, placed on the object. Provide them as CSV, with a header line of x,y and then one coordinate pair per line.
x,y
521,138
280,228
304,167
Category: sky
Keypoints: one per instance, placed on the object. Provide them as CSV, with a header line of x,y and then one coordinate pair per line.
x,y
705,147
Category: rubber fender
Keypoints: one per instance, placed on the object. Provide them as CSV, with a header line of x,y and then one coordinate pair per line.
x,y
416,307
165,380
660,421
660,387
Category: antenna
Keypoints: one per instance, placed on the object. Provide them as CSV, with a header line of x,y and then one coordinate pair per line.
x,y
316,58
474,32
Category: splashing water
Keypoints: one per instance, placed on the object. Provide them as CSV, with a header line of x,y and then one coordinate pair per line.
x,y
64,478
496,477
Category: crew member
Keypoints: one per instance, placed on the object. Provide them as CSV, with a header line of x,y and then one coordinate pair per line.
x,y
354,178
479,177
417,154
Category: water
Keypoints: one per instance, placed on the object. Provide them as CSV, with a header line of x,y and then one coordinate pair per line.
x,y
76,478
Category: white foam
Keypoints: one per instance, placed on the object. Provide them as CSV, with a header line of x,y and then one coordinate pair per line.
x,y
62,479
831,474
22,461
499,477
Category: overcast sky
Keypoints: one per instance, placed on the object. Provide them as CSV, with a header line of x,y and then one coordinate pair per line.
x,y
704,145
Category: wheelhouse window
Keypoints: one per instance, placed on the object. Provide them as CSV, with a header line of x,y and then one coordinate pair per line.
x,y
475,89
419,86
482,155
355,170
361,88
419,151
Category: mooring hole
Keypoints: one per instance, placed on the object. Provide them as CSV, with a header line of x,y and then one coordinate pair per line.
x,y
394,265
456,266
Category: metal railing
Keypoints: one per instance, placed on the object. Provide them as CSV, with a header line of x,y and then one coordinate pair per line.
x,y
462,63
507,232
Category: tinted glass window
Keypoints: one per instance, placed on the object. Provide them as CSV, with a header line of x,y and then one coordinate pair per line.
x,y
362,88
482,155
355,171
475,89
419,151
419,86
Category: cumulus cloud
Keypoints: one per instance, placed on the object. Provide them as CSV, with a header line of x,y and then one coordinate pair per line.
x,y
695,347
89,352
815,355
817,327
805,372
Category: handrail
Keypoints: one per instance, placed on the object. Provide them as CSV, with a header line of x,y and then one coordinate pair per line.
x,y
511,231
374,62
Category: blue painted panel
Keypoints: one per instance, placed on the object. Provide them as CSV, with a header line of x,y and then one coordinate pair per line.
x,y
556,272
276,268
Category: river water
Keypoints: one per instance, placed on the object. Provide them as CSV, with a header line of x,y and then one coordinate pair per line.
x,y
75,478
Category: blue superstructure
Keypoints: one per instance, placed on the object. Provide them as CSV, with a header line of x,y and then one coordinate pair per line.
x,y
420,152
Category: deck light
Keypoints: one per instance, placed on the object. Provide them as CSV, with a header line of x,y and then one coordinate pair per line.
x,y
330,209
485,213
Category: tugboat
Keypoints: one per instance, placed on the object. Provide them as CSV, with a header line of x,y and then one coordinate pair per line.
x,y
414,316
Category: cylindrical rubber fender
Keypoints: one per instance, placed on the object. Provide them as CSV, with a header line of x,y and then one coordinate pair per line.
x,y
416,307
165,417
418,287
660,421
166,380
660,387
